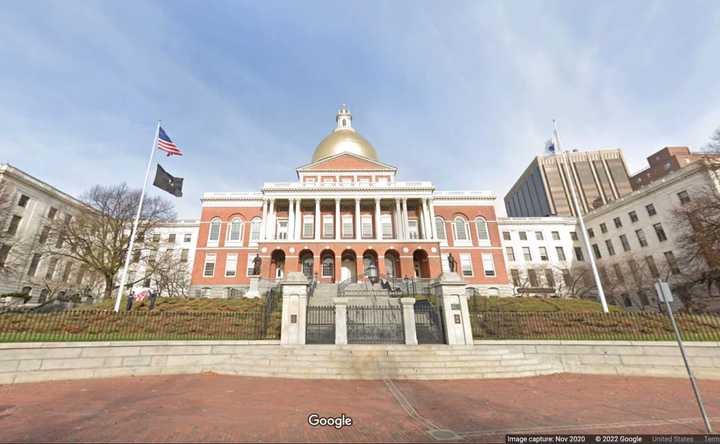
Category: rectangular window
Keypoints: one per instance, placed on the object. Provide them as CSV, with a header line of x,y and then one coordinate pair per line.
x,y
672,262
249,266
650,210
51,268
603,228
618,273
573,235
184,253
156,236
543,254
506,235
440,229
641,237
624,242
549,278
51,213
328,267
526,254
328,231
579,254
560,253
347,226
617,222
14,223
413,229
591,233
650,261
136,256
510,253
66,271
255,228
44,235
282,229
4,252
187,237
555,235
567,278
539,235
633,216
610,247
596,250
34,264
308,226
387,228
171,238
366,226
209,268
532,277
515,277
684,197
444,262
23,201
634,269
660,232
523,235
231,265
81,275
466,263
488,264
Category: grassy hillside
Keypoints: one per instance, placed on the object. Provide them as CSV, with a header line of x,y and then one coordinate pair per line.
x,y
189,305
534,304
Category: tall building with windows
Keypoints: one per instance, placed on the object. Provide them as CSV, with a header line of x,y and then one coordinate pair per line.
x,y
543,189
665,161
345,214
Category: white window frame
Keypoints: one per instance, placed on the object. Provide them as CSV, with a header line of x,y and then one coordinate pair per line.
x,y
466,265
488,265
510,250
366,226
249,266
239,240
386,224
457,241
485,240
308,226
255,231
441,230
328,226
445,266
322,267
413,229
231,261
210,258
281,228
347,226
214,242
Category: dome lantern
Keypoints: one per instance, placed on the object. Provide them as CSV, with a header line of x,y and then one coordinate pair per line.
x,y
344,139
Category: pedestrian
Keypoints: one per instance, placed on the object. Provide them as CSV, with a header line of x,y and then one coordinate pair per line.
x,y
131,298
153,296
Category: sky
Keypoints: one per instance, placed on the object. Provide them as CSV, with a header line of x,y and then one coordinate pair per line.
x,y
459,93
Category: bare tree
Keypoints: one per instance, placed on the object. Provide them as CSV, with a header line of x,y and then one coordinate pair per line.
x,y
574,281
14,250
98,237
713,146
171,274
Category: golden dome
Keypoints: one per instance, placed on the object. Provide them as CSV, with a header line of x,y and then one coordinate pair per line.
x,y
344,139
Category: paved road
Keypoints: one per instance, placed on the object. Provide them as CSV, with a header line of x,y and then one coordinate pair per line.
x,y
216,408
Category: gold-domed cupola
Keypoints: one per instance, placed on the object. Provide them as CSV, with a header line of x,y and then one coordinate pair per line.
x,y
344,139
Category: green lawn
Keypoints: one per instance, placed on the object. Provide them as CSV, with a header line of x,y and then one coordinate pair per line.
x,y
535,304
207,305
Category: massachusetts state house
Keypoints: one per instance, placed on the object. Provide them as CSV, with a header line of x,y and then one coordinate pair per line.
x,y
346,218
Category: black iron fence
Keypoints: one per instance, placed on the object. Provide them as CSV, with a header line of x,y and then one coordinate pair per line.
x,y
592,326
320,324
375,325
89,325
428,323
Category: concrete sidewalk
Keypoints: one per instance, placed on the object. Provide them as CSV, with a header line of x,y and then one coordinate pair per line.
x,y
215,408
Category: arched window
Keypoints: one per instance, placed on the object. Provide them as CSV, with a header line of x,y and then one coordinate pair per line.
x,y
440,228
255,226
214,231
482,231
460,230
235,233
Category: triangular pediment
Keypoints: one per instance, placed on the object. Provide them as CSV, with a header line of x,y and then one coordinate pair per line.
x,y
346,162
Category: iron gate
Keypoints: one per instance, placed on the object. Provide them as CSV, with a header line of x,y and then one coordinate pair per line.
x,y
375,325
320,325
429,323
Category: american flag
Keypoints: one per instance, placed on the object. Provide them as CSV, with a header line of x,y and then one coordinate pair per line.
x,y
167,145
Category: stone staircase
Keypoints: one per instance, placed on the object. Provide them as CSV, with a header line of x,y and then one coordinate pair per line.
x,y
382,361
324,294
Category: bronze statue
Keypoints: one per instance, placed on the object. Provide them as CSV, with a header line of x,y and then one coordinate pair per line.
x,y
257,262
451,263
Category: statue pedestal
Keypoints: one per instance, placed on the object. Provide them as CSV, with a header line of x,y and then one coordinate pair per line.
x,y
450,291
254,292
294,308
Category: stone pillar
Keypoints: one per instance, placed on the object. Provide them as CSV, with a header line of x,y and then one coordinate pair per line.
x,y
291,219
406,233
357,219
423,221
263,223
298,219
432,218
450,291
397,220
340,321
408,314
294,309
271,221
317,219
254,290
378,222
338,223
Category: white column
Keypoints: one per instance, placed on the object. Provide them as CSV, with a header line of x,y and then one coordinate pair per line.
x,y
378,223
338,224
263,224
406,230
423,221
397,218
271,221
317,219
357,219
432,218
291,219
299,218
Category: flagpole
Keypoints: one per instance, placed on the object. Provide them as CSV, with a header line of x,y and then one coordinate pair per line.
x,y
123,278
563,157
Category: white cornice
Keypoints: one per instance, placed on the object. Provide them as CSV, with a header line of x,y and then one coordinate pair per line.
x,y
43,187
